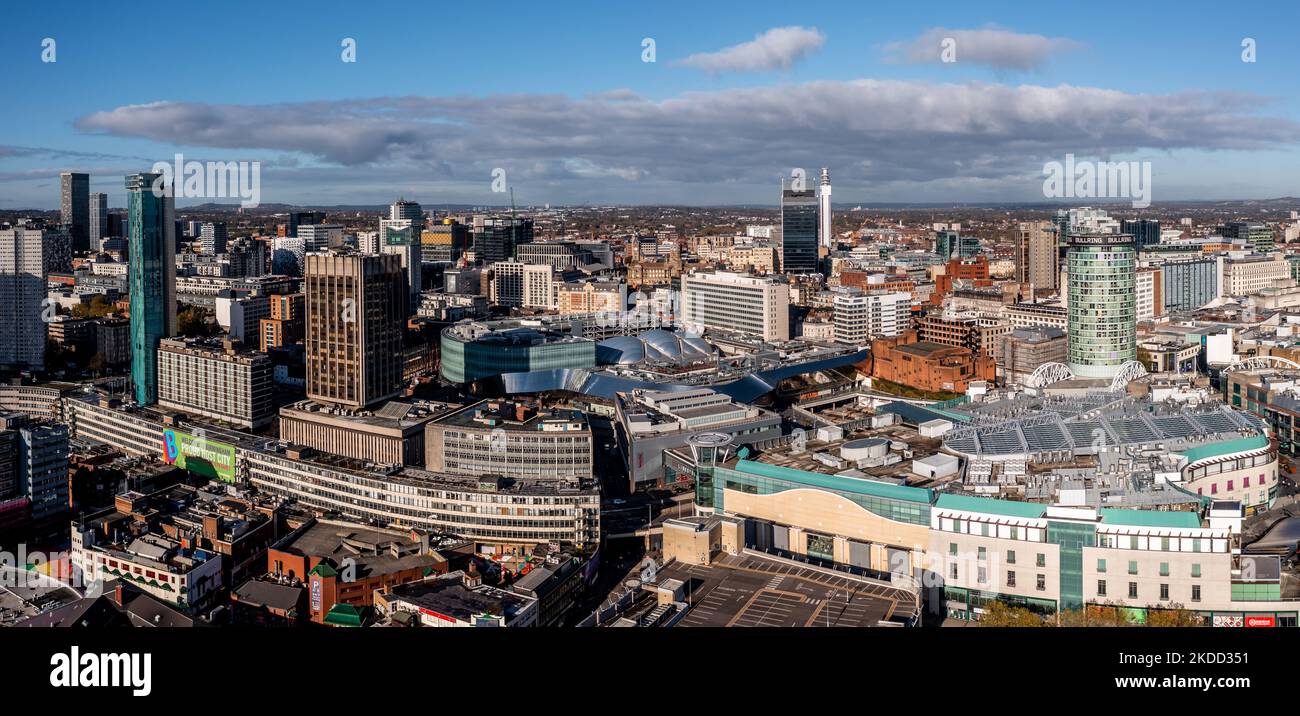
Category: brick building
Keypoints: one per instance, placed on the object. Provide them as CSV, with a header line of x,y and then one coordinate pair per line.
x,y
928,366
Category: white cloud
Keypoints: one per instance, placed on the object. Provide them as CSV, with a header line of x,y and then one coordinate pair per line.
x,y
991,46
776,49
709,146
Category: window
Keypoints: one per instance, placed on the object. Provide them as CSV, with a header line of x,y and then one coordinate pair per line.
x,y
981,556
1164,592
952,572
1196,570
1011,556
1041,560
981,576
1042,583
1196,545
1132,567
1132,590
1015,533
1101,587
984,529
956,526
1101,565
1164,569
1132,542
1164,544
1011,579
952,548
1196,592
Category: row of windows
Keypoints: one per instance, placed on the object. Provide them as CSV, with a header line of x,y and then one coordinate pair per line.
x,y
982,577
1133,591
1040,559
1164,567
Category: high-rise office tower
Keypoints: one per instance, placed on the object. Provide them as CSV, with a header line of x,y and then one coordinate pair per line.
x,y
321,237
355,323
445,243
403,210
401,237
758,306
1145,232
1102,305
497,237
1258,237
521,285
246,256
798,230
9,447
151,272
303,218
213,237
42,462
1189,283
824,211
860,317
98,216
22,295
945,245
950,244
1038,261
74,207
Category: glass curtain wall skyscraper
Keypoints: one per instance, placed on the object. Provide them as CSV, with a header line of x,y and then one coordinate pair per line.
x,y
1145,232
799,218
98,219
1102,305
74,207
151,271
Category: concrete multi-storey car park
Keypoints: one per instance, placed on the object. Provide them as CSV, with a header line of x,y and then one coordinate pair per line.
x,y
966,551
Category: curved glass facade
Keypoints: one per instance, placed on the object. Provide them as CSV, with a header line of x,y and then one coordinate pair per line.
x,y
468,361
1102,279
910,505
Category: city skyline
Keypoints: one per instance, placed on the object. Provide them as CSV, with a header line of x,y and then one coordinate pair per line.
x,y
579,118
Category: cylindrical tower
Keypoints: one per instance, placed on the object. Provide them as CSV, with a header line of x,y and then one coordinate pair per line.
x,y
708,449
1102,303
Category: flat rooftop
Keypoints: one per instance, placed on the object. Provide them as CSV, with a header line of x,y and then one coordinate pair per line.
x,y
448,595
753,591
370,548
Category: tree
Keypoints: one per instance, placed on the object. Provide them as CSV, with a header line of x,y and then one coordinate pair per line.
x,y
1001,614
1144,357
1095,615
1174,616
192,321
97,308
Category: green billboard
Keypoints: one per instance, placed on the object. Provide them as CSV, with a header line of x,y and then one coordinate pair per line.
x,y
199,455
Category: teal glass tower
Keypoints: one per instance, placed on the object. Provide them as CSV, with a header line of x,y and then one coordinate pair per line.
x,y
151,232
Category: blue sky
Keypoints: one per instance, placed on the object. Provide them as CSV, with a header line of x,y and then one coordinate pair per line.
x,y
558,96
